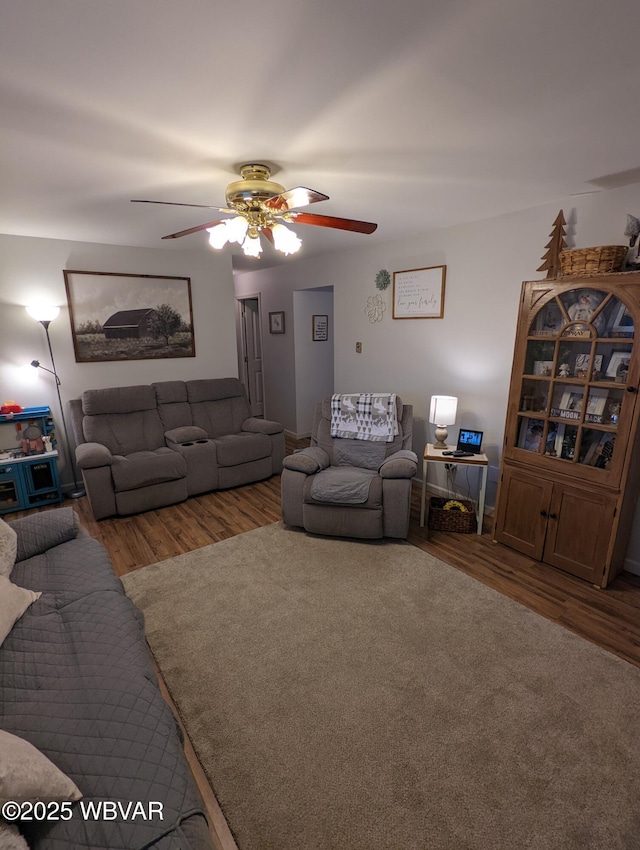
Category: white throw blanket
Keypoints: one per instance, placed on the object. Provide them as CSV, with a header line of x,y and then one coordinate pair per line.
x,y
364,416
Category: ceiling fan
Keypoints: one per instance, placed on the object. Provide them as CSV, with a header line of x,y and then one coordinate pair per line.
x,y
258,205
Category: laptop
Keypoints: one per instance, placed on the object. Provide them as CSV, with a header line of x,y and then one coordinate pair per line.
x,y
469,443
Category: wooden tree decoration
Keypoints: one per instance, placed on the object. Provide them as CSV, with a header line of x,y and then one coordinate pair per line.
x,y
556,244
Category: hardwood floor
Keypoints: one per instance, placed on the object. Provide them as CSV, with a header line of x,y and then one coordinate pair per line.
x,y
609,618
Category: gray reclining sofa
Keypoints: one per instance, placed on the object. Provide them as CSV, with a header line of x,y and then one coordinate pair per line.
x,y
144,447
77,683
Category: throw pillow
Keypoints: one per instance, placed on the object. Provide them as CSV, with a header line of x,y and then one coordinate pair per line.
x,y
8,548
10,837
14,601
26,775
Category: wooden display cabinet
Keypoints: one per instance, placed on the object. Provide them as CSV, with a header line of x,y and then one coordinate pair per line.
x,y
571,460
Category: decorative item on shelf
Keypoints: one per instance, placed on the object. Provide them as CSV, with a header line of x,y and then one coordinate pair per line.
x,y
383,280
32,442
9,408
564,370
554,246
48,444
452,515
442,413
582,262
45,314
632,230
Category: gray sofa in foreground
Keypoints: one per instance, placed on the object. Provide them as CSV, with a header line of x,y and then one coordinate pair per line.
x,y
348,487
77,683
144,447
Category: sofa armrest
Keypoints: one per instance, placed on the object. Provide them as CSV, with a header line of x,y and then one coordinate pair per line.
x,y
261,426
42,531
185,434
309,460
90,455
401,464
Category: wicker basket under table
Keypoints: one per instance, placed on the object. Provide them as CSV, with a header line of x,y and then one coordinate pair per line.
x,y
461,521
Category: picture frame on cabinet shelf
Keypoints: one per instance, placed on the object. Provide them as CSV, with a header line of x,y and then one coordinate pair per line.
x,y
617,358
543,368
530,436
549,320
622,325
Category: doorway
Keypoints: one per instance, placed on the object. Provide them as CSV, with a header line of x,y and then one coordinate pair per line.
x,y
249,341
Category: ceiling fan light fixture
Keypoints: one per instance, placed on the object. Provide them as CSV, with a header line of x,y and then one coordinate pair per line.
x,y
251,245
285,240
218,235
237,229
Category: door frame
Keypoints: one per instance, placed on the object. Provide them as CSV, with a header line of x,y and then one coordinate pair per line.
x,y
241,343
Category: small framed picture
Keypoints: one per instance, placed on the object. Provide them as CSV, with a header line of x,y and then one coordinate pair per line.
x,y
320,328
618,359
276,322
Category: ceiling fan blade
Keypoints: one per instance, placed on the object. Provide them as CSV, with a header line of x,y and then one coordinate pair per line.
x,y
190,230
332,221
267,232
178,204
293,198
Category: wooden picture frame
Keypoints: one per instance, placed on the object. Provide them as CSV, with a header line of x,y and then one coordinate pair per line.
x,y
320,327
276,322
622,325
129,316
419,293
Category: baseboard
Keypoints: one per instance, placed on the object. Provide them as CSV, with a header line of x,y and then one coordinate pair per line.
x,y
631,566
293,436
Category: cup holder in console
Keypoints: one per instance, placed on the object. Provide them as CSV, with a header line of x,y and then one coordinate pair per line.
x,y
202,441
186,444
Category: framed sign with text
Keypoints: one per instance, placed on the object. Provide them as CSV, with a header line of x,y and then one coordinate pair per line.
x,y
419,293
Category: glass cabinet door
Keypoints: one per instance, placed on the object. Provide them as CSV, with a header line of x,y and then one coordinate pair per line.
x,y
573,391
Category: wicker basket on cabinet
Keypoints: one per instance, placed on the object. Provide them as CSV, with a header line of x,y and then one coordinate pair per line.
x,y
587,261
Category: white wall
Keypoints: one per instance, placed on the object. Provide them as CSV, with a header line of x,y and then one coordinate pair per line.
x,y
468,353
31,271
313,359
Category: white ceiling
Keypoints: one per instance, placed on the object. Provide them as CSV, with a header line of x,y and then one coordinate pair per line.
x,y
411,113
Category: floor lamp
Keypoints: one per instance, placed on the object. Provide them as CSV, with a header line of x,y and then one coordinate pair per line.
x,y
45,315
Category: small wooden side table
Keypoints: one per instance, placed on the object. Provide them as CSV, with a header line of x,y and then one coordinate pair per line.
x,y
433,455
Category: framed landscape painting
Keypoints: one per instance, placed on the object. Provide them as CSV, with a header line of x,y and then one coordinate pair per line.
x,y
129,316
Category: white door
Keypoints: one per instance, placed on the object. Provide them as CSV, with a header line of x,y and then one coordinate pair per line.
x,y
250,352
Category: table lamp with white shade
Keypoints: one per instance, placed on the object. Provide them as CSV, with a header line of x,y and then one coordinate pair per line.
x,y
442,413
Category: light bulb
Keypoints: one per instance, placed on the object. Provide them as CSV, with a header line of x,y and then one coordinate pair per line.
x,y
251,246
285,240
43,312
218,235
236,229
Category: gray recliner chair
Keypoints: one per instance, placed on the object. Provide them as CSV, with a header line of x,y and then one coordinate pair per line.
x,y
351,487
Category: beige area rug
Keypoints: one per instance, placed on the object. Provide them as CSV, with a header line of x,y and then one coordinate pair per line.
x,y
365,696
